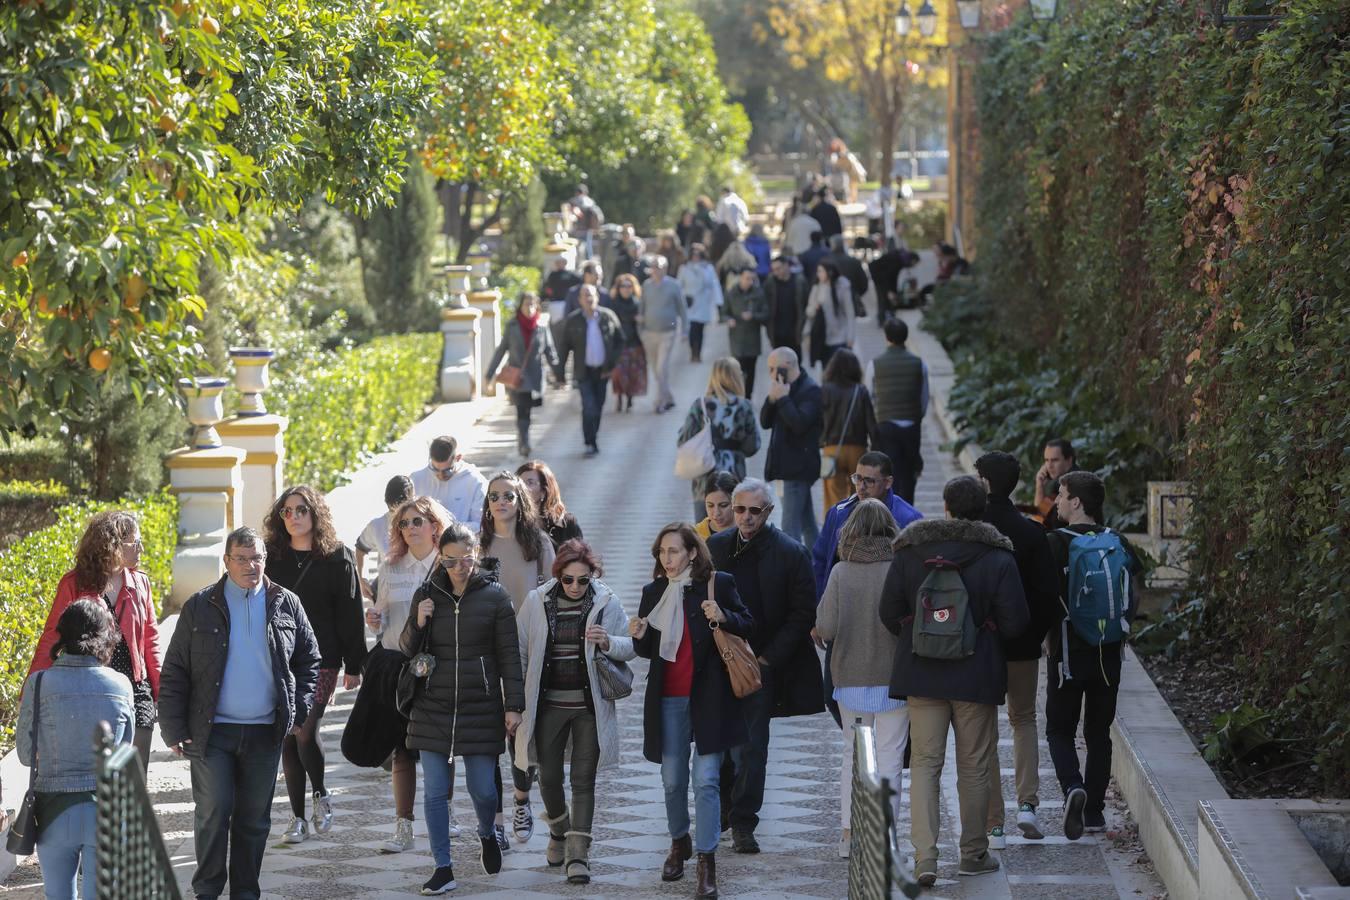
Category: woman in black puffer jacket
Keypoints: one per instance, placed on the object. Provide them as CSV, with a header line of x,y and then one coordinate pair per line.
x,y
471,701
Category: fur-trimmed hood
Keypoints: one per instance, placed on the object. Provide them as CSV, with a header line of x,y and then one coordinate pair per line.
x,y
937,531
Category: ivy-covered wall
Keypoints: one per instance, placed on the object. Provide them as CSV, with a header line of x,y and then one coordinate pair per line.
x,y
1164,275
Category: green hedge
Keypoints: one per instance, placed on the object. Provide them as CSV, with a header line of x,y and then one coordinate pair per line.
x,y
1161,243
31,569
349,404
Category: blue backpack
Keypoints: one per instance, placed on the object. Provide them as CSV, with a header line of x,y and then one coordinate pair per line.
x,y
1098,599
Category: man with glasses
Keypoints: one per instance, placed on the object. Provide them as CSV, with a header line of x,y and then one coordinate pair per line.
x,y
773,577
452,482
239,675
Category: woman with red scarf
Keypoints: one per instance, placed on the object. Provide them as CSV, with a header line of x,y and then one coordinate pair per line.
x,y
526,346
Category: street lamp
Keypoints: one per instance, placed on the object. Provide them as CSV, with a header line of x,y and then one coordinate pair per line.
x,y
969,13
903,21
927,19
1042,10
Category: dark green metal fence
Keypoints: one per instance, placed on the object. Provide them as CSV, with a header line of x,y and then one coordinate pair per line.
x,y
875,864
132,861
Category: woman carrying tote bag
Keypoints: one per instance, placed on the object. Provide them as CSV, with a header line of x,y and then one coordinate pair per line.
x,y
849,425
721,425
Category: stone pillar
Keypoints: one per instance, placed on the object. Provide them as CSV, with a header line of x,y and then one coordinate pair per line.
x,y
484,299
458,377
258,433
559,243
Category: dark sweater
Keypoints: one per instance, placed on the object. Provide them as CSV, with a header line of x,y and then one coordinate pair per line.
x,y
1037,570
331,595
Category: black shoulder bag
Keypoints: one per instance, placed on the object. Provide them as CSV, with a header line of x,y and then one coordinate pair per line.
x,y
23,830
412,675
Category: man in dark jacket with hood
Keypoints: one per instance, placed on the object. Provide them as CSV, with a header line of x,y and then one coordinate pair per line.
x,y
962,691
1000,473
793,415
773,577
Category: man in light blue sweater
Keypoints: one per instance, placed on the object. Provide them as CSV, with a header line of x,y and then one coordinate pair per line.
x,y
662,318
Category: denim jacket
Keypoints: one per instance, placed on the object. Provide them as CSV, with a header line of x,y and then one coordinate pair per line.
x,y
77,693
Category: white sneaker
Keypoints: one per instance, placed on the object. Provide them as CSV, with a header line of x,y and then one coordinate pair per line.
x,y
454,827
297,832
1026,821
996,839
323,813
845,844
402,839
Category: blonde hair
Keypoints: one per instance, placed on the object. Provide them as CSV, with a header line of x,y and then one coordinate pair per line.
x,y
871,518
726,380
439,517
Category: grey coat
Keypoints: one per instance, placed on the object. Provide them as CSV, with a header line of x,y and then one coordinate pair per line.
x,y
529,359
848,612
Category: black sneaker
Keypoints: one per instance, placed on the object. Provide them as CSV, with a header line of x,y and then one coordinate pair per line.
x,y
490,855
1094,820
743,841
1074,802
502,843
442,880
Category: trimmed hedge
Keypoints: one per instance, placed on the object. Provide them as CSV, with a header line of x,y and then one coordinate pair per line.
x,y
31,569
349,404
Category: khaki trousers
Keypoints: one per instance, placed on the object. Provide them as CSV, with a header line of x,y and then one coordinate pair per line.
x,y
659,345
1023,675
976,726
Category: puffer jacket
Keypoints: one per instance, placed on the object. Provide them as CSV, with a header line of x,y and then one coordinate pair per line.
x,y
189,682
460,711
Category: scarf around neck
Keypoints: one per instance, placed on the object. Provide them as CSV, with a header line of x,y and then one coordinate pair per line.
x,y
527,326
668,615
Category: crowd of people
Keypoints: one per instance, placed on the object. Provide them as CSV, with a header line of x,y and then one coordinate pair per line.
x,y
493,630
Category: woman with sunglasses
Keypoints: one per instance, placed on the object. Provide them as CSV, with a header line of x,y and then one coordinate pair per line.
x,y
563,625
105,570
542,486
305,557
510,533
689,696
472,698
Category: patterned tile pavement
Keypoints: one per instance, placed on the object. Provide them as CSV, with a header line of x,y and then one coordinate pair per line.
x,y
621,499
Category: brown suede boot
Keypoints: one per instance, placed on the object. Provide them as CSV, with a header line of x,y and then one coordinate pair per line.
x,y
707,877
680,849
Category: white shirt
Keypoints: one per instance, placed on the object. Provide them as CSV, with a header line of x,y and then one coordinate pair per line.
x,y
839,329
799,232
462,494
731,212
398,581
375,537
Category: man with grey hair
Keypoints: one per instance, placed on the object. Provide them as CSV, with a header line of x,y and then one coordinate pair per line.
x,y
773,576
595,336
793,415
239,675
662,317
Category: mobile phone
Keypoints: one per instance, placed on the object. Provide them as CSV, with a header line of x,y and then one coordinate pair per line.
x,y
781,372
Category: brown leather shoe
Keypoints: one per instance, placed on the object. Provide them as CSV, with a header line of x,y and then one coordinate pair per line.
x,y
707,877
680,850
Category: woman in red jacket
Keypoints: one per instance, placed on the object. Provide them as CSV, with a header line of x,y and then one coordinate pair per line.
x,y
105,569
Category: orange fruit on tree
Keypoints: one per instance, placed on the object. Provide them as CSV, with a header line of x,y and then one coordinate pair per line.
x,y
210,25
167,123
180,6
20,260
134,290
100,358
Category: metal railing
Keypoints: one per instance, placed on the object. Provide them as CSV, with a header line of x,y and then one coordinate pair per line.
x,y
132,861
875,863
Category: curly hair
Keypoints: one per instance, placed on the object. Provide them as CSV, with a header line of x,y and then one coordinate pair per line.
x,y
277,538
438,515
528,534
86,628
551,511
701,567
99,554
577,551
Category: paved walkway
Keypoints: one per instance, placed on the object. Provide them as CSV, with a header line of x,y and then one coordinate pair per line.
x,y
621,499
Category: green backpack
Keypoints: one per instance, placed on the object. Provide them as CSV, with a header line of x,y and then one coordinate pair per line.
x,y
944,624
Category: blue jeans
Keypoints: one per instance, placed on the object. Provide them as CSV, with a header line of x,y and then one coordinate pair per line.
x,y
677,732
438,785
799,515
592,386
63,845
232,788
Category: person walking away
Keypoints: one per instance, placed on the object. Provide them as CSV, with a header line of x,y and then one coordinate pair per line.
x,y
853,270
899,381
663,318
827,214
732,212
793,417
703,294
689,230
735,436
798,233
472,699
510,533
729,264
106,561
1083,669
1059,459
689,699
526,348
566,625
850,424
375,723
747,312
61,704
952,592
668,248
813,256
629,378
860,667
374,538
227,707
451,481
703,212
717,505
595,337
587,217
785,293
773,578
829,310
758,246
542,486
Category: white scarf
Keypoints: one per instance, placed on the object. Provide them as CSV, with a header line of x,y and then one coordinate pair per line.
x,y
668,615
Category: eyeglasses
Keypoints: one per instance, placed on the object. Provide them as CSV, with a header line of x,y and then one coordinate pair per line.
x,y
133,545
860,480
414,522
248,561
570,580
457,562
752,510
508,496
291,512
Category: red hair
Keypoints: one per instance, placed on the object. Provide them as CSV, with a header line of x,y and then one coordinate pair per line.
x,y
576,551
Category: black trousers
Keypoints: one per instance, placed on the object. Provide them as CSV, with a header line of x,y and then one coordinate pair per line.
x,y
902,446
695,339
748,364
1094,700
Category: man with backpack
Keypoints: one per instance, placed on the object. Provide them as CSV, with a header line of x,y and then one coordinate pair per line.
x,y
1097,601
952,594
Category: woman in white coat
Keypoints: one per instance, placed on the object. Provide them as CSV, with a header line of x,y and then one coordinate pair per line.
x,y
703,293
565,625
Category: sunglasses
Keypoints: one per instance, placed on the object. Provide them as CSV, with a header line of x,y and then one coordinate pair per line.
x,y
443,473
291,512
457,562
570,580
752,510
508,496
414,522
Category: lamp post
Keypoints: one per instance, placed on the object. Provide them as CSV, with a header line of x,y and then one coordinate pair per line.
x,y
903,21
1043,10
969,13
927,19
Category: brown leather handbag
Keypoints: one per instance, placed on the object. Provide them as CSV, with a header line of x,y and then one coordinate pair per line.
x,y
510,377
742,666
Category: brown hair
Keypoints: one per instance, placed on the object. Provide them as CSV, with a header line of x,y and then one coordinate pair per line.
x,y
99,554
528,535
870,518
577,551
627,278
551,511
438,515
275,536
701,568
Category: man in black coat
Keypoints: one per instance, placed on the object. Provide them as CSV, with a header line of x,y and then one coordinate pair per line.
x,y
595,336
962,693
827,214
1000,473
774,578
786,293
793,416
